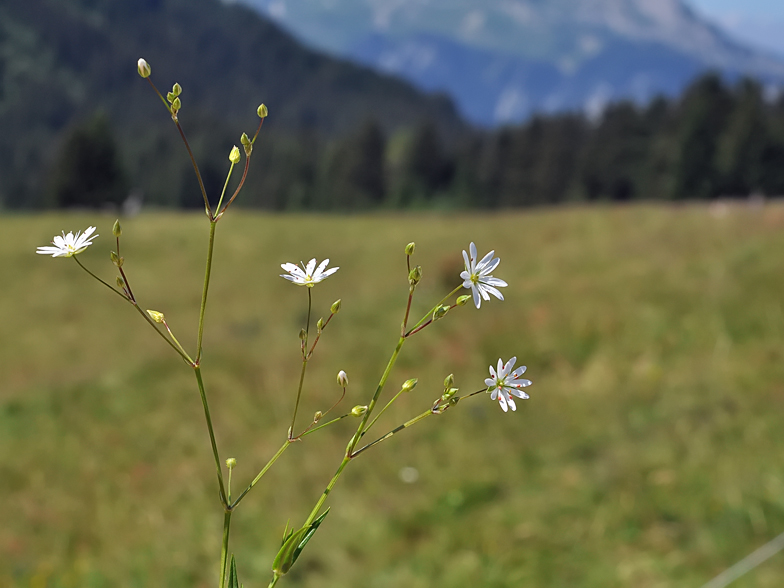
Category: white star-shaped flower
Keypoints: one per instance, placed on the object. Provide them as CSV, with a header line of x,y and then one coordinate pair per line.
x,y
477,276
307,275
503,382
70,244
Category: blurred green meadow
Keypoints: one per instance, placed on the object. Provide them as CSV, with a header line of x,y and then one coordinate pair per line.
x,y
651,452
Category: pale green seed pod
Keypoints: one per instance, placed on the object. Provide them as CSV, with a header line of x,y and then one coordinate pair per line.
x,y
449,394
170,97
335,308
176,90
244,139
342,379
156,316
231,462
415,275
318,416
116,259
262,111
176,104
234,156
440,312
358,410
463,300
410,248
449,381
320,324
117,229
120,283
303,334
409,385
143,68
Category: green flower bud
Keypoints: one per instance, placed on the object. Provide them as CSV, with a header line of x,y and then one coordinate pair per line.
x,y
449,393
143,68
156,316
463,300
231,462
440,312
320,324
234,156
176,105
409,385
303,334
244,139
116,259
176,90
358,410
449,381
343,380
335,308
415,275
120,283
262,111
170,97
317,417
117,229
410,248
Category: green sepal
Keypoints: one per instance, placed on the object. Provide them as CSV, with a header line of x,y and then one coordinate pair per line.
x,y
233,580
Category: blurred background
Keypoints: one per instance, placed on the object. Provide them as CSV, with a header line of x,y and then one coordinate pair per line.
x,y
650,453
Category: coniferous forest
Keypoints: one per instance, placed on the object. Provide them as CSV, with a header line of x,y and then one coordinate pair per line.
x,y
81,128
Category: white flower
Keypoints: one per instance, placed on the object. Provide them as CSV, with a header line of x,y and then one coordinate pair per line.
x,y
502,383
477,276
305,275
70,244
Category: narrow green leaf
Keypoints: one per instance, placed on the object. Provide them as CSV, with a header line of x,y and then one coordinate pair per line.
x,y
233,580
311,531
285,558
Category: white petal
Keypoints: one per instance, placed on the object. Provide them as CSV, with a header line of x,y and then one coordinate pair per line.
x,y
519,371
89,231
329,272
502,402
489,382
322,266
519,394
500,369
467,263
491,281
485,261
475,292
472,249
491,266
310,267
512,404
466,276
491,290
290,267
494,394
509,365
483,290
58,241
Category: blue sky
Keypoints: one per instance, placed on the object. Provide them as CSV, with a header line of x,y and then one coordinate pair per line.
x,y
759,23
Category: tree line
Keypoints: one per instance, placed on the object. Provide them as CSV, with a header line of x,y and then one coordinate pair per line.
x,y
716,140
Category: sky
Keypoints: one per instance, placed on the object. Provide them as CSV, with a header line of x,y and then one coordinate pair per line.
x,y
758,23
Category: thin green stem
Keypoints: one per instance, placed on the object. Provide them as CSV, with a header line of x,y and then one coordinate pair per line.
x,y
195,168
197,371
260,474
165,103
225,547
207,273
314,513
112,288
388,404
274,581
182,351
432,310
244,173
314,429
397,429
228,177
304,346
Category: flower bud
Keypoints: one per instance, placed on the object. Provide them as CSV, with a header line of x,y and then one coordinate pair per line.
x,y
120,283
176,105
343,379
463,300
449,393
335,308
449,381
303,334
244,139
170,97
415,275
231,462
117,229
320,324
143,68
440,312
262,111
234,156
410,248
317,417
176,90
116,259
358,410
156,316
409,385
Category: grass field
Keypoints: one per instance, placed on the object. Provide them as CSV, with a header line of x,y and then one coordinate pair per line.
x,y
651,453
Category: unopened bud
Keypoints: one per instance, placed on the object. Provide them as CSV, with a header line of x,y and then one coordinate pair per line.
x,y
358,410
234,156
176,90
440,312
335,308
116,259
463,300
449,393
317,417
120,283
262,111
231,462
244,139
143,68
410,248
320,324
409,385
342,379
449,381
176,105
170,97
303,334
156,316
117,229
415,275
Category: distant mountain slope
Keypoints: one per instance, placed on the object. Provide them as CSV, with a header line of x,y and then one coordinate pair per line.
x,y
60,60
503,59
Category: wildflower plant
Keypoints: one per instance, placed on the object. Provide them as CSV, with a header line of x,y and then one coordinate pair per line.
x,y
501,386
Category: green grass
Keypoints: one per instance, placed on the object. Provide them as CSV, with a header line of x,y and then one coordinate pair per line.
x,y
649,455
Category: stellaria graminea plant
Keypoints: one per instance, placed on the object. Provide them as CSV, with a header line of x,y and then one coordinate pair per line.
x,y
476,277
